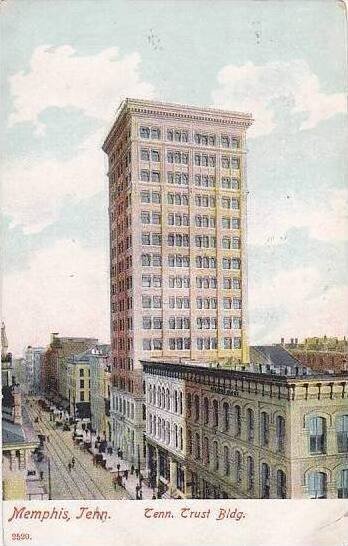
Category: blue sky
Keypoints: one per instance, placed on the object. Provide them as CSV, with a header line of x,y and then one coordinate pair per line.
x,y
67,64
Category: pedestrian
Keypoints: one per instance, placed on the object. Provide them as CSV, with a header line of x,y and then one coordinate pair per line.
x,y
41,475
141,494
48,439
126,474
69,467
154,496
73,462
132,469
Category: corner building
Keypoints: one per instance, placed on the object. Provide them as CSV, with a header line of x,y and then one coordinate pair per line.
x,y
177,210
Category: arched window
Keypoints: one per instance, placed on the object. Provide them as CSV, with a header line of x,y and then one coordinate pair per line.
x,y
167,400
216,455
163,397
181,439
206,454
176,401
154,395
237,421
265,481
180,403
150,394
167,432
151,424
189,404
227,466
189,441
280,433
197,446
163,435
250,473
317,485
159,401
226,415
342,491
206,410
264,428
196,404
317,435
238,467
250,424
159,429
154,425
281,484
215,413
342,433
175,435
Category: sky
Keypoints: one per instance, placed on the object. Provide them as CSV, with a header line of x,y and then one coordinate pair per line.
x,y
66,65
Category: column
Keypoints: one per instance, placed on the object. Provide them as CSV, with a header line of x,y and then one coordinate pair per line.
x,y
22,459
157,466
13,462
172,474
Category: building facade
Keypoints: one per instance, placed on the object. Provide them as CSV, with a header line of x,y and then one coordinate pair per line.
x,y
33,360
100,390
79,385
177,211
218,433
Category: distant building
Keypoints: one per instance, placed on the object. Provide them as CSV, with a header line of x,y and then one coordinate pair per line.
x,y
275,359
219,433
320,353
54,372
100,389
79,384
33,360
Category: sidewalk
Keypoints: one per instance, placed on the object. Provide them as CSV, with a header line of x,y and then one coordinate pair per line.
x,y
112,461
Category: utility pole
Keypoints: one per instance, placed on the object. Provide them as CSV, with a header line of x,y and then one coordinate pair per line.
x,y
49,479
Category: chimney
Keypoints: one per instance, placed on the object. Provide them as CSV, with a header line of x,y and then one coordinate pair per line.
x,y
292,341
282,342
17,405
296,341
53,336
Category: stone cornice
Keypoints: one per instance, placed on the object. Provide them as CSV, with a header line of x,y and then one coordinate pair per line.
x,y
180,112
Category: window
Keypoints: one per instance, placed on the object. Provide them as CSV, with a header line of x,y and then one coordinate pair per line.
x,y
215,413
155,133
238,467
265,481
226,416
237,421
147,323
206,454
226,461
264,429
342,433
147,344
197,446
144,176
144,155
317,435
196,407
155,156
280,433
250,424
81,372
281,484
216,455
342,491
317,485
144,132
250,473
82,396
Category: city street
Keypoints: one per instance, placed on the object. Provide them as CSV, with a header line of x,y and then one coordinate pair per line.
x,y
84,480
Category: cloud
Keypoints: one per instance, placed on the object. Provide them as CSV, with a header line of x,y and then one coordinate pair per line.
x,y
297,303
326,216
60,78
64,289
34,190
263,90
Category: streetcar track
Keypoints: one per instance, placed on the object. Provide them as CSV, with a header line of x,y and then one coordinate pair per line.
x,y
47,427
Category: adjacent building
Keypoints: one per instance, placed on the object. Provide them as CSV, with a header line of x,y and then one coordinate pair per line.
x,y
33,360
320,353
177,212
218,433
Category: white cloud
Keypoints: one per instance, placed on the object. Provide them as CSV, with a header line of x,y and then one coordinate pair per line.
x,y
262,89
65,289
58,77
271,217
34,190
297,303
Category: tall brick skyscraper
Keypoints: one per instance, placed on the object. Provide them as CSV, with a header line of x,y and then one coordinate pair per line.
x,y
177,209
